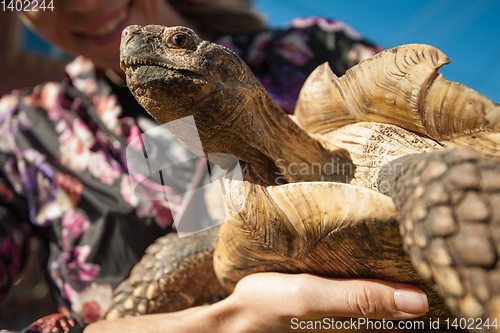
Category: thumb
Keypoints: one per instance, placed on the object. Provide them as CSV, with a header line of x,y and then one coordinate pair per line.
x,y
309,296
374,299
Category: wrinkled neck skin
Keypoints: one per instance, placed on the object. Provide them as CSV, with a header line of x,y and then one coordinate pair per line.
x,y
249,125
286,153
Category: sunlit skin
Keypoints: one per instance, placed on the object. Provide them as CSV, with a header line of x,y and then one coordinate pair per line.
x,y
93,27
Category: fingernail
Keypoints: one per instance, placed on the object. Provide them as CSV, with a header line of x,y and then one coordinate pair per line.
x,y
411,301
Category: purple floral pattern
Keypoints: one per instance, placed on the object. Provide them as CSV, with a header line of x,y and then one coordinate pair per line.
x,y
256,52
71,262
36,176
91,303
55,196
148,202
10,124
293,47
102,167
71,267
327,25
284,87
73,227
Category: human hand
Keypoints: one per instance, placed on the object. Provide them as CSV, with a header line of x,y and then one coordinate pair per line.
x,y
274,302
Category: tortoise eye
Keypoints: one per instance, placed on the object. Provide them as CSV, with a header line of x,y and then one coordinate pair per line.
x,y
180,40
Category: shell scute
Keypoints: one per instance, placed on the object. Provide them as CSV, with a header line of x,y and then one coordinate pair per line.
x,y
402,87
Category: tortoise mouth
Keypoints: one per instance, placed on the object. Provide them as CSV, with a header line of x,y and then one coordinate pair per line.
x,y
135,62
130,64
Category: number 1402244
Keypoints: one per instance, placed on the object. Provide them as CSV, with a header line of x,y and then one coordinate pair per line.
x,y
27,5
471,324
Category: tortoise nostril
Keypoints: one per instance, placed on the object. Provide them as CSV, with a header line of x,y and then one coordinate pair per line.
x,y
126,33
129,31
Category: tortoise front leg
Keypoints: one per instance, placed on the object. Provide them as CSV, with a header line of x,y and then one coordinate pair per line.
x,y
174,274
449,207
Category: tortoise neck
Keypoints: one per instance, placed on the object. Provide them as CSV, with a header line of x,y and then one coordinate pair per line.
x,y
279,150
249,125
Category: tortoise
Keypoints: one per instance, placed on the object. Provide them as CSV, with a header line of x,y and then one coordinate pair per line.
x,y
388,172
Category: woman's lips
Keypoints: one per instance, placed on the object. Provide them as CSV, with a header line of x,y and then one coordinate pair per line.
x,y
110,26
110,30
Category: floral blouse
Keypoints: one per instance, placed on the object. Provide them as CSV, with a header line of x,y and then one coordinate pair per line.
x,y
64,174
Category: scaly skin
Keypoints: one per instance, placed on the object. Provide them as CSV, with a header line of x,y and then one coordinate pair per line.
x,y
174,274
449,207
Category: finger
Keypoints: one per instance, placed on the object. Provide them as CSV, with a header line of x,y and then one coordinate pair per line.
x,y
63,322
309,296
372,299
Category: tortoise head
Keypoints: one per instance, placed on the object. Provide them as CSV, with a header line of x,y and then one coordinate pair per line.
x,y
174,74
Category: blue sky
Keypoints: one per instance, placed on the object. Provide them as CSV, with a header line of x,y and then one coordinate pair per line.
x,y
467,31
